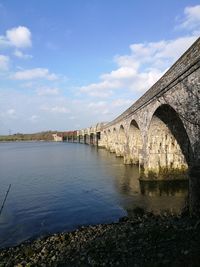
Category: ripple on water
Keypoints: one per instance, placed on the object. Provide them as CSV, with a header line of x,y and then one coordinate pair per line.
x,y
61,186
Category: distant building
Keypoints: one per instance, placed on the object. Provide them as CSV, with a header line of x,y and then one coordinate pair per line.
x,y
57,137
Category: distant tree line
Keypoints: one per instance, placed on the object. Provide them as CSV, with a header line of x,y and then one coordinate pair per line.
x,y
41,136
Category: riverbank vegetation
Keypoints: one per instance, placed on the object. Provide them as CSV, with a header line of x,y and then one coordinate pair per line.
x,y
41,136
141,240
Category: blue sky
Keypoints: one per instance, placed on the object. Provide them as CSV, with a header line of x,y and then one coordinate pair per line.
x,y
67,65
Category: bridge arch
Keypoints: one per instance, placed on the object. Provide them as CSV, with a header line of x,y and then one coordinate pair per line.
x,y
105,139
135,143
121,142
92,138
114,133
169,149
109,139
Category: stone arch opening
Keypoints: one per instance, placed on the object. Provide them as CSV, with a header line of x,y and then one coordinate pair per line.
x,y
109,135
169,149
85,138
104,139
92,139
105,135
115,135
135,143
121,141
109,139
113,141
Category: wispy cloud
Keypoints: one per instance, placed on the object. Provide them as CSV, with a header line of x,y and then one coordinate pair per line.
x,y
32,74
121,102
4,42
191,18
109,107
34,118
22,55
56,109
140,69
96,89
4,62
47,91
9,113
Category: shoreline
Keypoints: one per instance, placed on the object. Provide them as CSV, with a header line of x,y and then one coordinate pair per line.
x,y
142,240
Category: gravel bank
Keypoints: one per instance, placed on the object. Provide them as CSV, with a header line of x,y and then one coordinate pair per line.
x,y
144,240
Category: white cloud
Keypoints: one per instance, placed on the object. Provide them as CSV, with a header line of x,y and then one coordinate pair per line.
x,y
101,89
34,118
45,91
4,62
28,84
191,19
72,117
22,55
122,102
55,109
11,112
109,107
159,55
99,107
98,104
19,37
101,94
8,114
4,42
37,73
140,69
124,72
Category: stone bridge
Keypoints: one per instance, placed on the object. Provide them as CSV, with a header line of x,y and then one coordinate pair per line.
x,y
92,135
160,132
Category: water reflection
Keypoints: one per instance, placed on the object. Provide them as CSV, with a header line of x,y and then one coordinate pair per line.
x,y
164,188
58,187
154,196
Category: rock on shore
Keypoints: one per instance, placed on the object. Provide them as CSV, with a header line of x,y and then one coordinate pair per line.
x,y
144,240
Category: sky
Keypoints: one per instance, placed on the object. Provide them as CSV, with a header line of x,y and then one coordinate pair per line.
x,y
67,65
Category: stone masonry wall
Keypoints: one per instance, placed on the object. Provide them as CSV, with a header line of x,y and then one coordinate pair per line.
x,y
159,141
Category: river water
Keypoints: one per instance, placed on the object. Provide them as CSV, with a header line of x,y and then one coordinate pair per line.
x,y
59,187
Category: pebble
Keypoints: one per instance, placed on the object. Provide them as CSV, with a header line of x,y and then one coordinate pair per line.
x,y
138,241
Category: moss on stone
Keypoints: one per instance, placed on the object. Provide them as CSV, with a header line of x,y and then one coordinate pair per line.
x,y
165,173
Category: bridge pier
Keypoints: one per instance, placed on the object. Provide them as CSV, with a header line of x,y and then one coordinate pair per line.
x,y
86,139
92,139
81,140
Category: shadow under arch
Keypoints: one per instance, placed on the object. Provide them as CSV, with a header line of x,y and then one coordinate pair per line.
x,y
168,143
115,134
86,139
121,130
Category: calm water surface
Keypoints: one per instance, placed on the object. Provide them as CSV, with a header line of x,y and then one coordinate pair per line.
x,y
61,186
